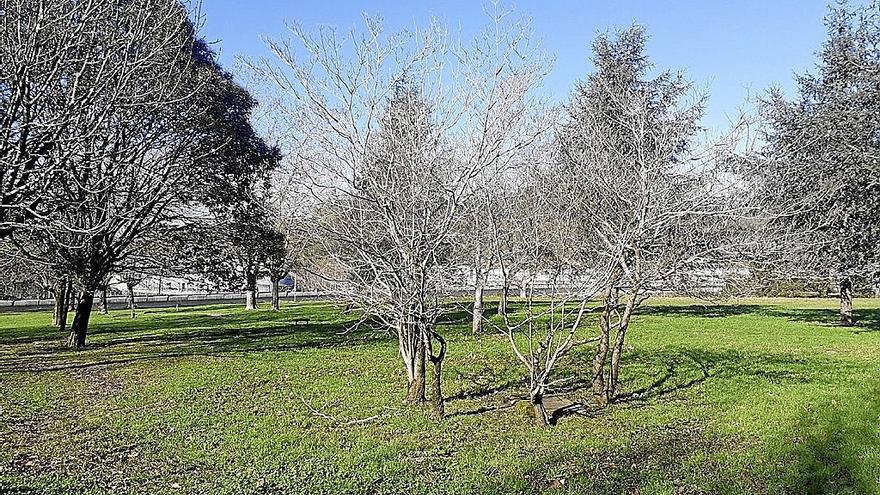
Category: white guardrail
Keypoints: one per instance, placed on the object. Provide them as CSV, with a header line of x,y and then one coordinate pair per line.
x,y
170,298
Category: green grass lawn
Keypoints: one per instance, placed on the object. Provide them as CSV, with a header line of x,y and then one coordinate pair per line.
x,y
763,396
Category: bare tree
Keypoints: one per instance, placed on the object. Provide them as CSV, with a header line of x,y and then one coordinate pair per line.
x,y
393,129
475,251
131,279
551,321
56,74
653,211
622,206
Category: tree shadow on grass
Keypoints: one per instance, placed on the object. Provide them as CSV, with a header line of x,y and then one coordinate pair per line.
x,y
484,390
701,310
867,319
628,468
649,377
178,335
570,398
696,367
684,369
493,391
832,448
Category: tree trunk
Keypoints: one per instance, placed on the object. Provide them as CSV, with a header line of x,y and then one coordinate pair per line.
x,y
60,294
600,395
131,304
71,299
104,308
846,302
541,417
276,301
250,301
502,303
77,337
66,296
251,292
437,389
617,352
415,393
478,309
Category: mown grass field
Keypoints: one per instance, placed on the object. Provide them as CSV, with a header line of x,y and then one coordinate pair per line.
x,y
761,396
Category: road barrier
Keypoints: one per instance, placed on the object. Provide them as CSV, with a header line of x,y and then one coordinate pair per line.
x,y
156,301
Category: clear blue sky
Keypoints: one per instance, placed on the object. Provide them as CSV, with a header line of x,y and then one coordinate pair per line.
x,y
730,48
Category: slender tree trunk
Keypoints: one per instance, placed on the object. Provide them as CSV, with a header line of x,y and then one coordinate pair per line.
x,y
105,309
66,296
614,372
478,308
437,389
846,302
617,352
502,303
541,417
77,337
276,300
600,395
437,392
251,292
132,306
60,294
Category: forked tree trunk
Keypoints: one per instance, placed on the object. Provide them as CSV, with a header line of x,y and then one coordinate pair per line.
x,y
412,351
846,302
478,309
250,292
276,300
541,417
77,337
